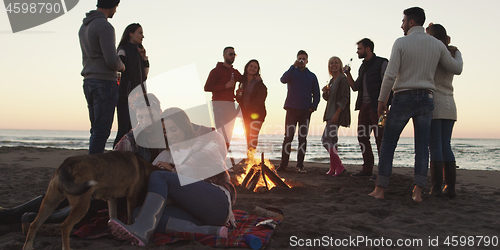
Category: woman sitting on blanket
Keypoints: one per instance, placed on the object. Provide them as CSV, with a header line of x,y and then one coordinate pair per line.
x,y
196,182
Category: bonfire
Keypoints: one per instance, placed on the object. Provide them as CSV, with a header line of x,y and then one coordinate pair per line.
x,y
259,174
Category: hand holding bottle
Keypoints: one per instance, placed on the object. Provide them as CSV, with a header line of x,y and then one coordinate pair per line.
x,y
231,82
347,67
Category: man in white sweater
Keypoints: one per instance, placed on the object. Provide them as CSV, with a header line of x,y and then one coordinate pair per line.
x,y
410,74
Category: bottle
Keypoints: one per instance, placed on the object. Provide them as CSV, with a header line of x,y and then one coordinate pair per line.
x,y
253,241
348,65
118,77
381,120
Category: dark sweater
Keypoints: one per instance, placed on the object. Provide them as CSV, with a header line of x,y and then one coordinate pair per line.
x,y
303,89
97,41
256,101
134,73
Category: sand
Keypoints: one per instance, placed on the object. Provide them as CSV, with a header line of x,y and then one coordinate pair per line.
x,y
320,211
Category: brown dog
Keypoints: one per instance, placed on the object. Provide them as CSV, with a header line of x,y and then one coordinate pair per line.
x,y
104,176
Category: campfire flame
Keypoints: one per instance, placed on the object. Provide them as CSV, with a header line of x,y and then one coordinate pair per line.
x,y
253,169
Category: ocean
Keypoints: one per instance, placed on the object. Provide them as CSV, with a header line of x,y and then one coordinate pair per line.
x,y
476,154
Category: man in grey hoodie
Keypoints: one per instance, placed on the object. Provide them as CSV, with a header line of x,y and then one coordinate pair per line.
x,y
100,66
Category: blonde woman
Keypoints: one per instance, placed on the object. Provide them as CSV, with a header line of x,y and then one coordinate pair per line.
x,y
337,112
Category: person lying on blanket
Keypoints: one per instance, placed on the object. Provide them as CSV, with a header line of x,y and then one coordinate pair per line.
x,y
194,195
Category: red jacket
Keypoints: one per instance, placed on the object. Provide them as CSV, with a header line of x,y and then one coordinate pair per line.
x,y
216,82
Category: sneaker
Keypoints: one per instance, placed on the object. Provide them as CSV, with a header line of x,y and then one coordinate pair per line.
x,y
361,174
281,169
301,169
373,178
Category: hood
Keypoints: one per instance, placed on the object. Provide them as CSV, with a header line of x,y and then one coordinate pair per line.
x,y
92,15
221,64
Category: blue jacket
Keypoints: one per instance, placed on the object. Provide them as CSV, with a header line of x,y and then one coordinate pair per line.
x,y
303,89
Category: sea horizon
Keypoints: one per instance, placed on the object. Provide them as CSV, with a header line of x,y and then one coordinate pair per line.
x,y
113,132
470,153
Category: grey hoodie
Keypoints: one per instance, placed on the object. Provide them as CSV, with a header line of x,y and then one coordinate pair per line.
x,y
97,40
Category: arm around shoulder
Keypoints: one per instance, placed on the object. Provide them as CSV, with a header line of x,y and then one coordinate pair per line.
x,y
453,65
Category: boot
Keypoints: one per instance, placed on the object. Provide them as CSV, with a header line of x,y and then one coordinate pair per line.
x,y
177,225
436,178
336,167
145,223
450,177
56,217
13,215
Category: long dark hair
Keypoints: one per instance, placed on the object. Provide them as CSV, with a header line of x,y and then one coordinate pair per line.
x,y
439,32
245,72
181,119
131,28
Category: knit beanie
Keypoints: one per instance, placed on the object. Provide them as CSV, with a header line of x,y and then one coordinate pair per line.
x,y
107,4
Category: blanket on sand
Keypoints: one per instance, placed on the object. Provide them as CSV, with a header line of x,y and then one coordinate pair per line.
x,y
245,224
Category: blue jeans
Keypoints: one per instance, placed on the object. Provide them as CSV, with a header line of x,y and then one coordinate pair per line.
x,y
417,106
294,116
200,202
102,96
440,142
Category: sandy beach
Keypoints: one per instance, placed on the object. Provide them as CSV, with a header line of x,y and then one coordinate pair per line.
x,y
321,211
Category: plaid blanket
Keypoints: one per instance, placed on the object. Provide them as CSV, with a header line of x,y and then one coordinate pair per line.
x,y
98,227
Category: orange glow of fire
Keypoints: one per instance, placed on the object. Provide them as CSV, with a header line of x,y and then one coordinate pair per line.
x,y
252,162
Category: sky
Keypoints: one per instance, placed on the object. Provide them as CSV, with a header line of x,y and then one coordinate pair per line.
x,y
41,85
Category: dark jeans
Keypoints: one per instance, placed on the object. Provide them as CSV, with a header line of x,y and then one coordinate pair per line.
x,y
294,117
102,97
417,106
124,124
368,122
252,130
200,202
440,142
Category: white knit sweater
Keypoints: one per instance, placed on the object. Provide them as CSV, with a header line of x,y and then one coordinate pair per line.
x,y
413,62
444,104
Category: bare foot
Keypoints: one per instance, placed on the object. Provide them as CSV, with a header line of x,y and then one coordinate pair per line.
x,y
417,194
378,192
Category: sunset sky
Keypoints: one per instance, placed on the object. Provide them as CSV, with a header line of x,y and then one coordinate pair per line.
x,y
41,85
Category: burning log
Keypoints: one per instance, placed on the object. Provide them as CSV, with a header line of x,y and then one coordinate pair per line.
x,y
259,177
253,182
248,177
273,177
263,175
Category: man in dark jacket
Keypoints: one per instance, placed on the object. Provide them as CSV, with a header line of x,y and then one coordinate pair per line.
x,y
100,66
368,84
302,99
